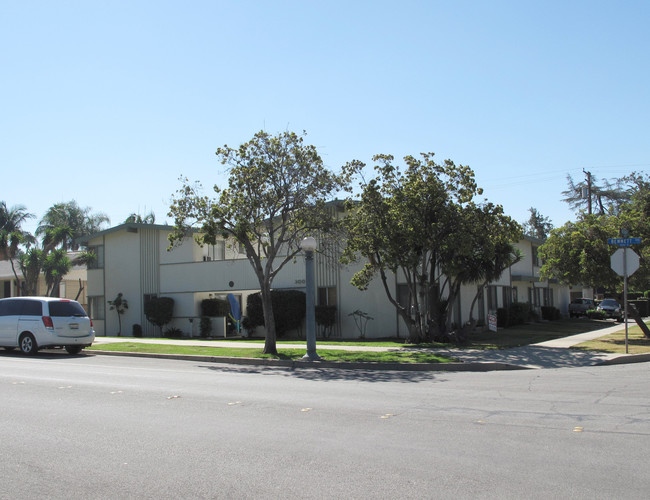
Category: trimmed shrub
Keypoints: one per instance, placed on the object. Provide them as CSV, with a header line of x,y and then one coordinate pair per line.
x,y
550,313
642,305
288,310
159,310
137,330
173,333
205,326
502,317
215,308
596,314
518,313
326,317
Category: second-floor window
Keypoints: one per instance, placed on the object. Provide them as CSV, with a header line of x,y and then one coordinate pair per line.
x,y
536,260
214,252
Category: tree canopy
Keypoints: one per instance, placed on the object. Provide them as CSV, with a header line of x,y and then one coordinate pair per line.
x,y
537,226
64,223
422,222
579,253
276,194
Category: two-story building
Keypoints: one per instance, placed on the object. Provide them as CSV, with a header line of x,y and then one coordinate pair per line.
x,y
133,259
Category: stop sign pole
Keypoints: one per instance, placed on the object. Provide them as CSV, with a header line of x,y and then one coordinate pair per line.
x,y
624,263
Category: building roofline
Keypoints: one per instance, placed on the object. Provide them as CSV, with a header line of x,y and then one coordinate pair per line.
x,y
124,227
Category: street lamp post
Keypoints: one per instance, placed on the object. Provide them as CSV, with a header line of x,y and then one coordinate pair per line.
x,y
308,244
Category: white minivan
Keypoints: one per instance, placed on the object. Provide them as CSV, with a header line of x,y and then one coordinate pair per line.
x,y
32,323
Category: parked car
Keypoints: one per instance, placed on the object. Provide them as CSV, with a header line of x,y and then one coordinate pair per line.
x,y
611,308
579,307
32,323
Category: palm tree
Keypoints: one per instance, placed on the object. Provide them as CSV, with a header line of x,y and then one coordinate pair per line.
x,y
150,218
64,223
31,263
55,266
12,234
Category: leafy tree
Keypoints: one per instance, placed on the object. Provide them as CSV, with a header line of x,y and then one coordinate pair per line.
x,y
578,252
537,226
422,223
606,198
120,305
276,194
64,223
159,311
12,236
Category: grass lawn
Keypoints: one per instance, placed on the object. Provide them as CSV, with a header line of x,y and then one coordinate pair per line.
x,y
615,342
504,338
288,354
533,333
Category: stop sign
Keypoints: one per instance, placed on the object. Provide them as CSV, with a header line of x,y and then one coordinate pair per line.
x,y
624,260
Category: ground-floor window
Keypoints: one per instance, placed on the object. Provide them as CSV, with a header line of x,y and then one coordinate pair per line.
x,y
97,308
492,300
548,296
326,296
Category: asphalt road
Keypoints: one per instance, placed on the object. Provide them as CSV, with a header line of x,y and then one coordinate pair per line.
x,y
116,427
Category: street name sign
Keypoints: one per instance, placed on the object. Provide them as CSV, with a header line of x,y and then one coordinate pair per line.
x,y
624,242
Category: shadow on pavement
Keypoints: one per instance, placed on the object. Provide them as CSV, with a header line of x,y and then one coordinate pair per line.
x,y
327,374
543,357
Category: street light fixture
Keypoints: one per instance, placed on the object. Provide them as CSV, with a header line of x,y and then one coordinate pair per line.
x,y
308,244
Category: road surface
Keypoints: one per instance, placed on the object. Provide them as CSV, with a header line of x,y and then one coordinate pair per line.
x,y
115,427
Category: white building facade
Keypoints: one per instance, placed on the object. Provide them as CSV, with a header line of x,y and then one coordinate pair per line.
x,y
133,259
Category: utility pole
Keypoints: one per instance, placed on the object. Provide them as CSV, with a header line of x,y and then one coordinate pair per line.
x,y
588,174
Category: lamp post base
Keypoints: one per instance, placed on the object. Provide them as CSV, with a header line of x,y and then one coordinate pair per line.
x,y
311,357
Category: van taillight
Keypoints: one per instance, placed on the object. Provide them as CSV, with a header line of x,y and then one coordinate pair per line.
x,y
91,323
47,321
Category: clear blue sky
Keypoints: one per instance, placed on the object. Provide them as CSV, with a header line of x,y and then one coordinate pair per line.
x,y
109,102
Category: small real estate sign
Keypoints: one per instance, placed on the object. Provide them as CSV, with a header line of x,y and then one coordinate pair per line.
x,y
492,322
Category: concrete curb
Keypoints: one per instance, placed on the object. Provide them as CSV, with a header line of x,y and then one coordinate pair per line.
x,y
299,364
627,358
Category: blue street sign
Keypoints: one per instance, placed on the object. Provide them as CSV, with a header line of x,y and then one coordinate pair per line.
x,y
624,242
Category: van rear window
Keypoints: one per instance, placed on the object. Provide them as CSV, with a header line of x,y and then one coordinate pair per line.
x,y
66,309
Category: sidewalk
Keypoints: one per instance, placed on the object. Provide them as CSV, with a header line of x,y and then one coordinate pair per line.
x,y
549,354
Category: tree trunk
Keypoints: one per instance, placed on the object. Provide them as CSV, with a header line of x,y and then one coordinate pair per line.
x,y
270,346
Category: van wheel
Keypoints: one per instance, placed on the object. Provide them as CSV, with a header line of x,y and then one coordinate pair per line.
x,y
28,344
73,349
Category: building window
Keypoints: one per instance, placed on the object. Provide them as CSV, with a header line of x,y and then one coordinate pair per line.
x,y
214,252
535,296
481,305
507,296
404,297
536,260
492,301
548,296
98,251
327,296
97,308
146,298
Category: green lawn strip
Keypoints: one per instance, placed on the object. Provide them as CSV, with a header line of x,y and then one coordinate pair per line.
x,y
615,342
515,336
374,343
289,354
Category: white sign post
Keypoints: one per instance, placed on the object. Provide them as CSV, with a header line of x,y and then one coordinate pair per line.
x,y
624,262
